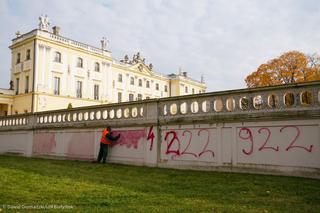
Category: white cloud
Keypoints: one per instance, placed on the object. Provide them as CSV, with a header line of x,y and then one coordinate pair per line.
x,y
224,40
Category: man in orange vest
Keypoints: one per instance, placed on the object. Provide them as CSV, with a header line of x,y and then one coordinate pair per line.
x,y
105,141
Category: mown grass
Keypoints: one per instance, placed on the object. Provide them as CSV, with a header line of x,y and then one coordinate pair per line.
x,y
91,187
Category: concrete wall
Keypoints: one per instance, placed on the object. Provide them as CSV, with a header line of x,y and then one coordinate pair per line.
x,y
283,145
19,142
133,147
292,147
280,141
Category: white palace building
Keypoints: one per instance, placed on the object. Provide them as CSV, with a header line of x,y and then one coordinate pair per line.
x,y
49,72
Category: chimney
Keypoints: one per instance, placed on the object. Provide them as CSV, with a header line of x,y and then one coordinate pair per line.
x,y
202,79
56,30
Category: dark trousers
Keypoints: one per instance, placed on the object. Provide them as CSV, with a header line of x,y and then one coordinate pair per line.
x,y
103,152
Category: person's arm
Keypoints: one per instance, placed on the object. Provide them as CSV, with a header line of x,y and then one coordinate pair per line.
x,y
111,138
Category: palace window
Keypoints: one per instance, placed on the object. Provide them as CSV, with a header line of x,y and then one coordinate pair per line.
x,y
17,86
119,77
165,88
148,84
132,80
80,62
130,97
96,92
192,90
57,57
139,96
97,67
28,54
186,89
140,83
56,83
18,58
119,97
79,89
26,89
157,86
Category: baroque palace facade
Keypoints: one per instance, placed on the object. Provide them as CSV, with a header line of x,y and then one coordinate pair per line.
x,y
50,72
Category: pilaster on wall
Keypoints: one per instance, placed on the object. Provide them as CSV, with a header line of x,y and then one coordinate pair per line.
x,y
234,159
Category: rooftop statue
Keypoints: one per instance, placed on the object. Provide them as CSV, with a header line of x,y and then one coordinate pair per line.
x,y
44,23
11,85
104,42
126,58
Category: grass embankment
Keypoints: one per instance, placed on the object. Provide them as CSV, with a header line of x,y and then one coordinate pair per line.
x,y
91,187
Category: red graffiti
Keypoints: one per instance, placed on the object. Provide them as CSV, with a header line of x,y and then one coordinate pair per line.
x,y
174,138
188,134
129,138
189,142
151,137
44,143
205,150
268,137
291,146
249,138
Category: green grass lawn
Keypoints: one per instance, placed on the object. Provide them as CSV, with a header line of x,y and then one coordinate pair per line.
x,y
91,187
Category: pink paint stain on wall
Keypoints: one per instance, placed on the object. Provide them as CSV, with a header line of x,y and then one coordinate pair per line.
x,y
44,143
129,138
81,145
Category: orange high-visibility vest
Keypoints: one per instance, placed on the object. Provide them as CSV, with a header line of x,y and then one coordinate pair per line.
x,y
103,139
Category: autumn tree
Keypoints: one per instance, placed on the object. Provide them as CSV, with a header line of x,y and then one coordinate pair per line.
x,y
290,67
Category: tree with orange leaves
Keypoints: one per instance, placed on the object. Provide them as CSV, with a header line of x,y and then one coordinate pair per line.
x,y
290,67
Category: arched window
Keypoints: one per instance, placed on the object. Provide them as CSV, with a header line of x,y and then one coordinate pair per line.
x,y
57,57
80,62
140,83
97,67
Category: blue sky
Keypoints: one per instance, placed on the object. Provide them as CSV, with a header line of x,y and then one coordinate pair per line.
x,y
223,40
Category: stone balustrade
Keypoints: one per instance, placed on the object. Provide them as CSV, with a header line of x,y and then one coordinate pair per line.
x,y
14,121
245,103
258,103
6,92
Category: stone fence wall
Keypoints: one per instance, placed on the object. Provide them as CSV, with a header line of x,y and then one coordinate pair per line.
x,y
268,130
